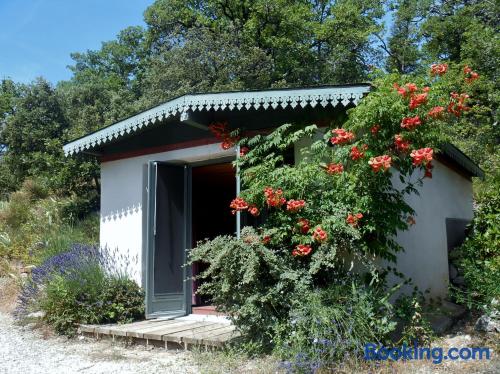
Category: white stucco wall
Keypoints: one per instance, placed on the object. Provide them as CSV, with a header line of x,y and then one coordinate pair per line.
x,y
425,259
123,199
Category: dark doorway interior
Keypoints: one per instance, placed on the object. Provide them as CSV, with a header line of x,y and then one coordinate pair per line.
x,y
213,188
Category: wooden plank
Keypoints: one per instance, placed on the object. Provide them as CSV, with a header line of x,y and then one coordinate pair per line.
x,y
198,336
87,328
185,325
138,332
177,336
103,329
121,330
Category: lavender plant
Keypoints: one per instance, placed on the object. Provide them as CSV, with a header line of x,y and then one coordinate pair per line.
x,y
83,285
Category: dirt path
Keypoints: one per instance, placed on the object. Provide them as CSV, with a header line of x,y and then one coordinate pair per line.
x,y
23,350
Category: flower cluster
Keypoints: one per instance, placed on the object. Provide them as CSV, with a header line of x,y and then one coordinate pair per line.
x,y
303,225
274,198
222,133
238,204
380,163
470,75
457,103
244,151
295,205
417,100
439,69
401,144
421,156
410,90
352,219
320,235
410,123
436,112
301,250
407,90
333,169
356,153
253,210
375,129
341,136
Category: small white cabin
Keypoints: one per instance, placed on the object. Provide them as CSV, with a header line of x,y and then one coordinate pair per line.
x,y
158,166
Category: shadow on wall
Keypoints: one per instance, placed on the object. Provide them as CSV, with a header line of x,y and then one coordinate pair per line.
x,y
114,215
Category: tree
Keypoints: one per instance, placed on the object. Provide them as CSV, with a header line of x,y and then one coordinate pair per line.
x,y
467,31
257,44
403,45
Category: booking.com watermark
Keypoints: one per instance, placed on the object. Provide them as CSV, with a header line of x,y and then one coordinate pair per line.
x,y
437,355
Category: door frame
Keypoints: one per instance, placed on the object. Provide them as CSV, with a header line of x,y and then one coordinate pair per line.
x,y
148,254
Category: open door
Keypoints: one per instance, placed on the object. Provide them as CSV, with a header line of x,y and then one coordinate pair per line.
x,y
168,237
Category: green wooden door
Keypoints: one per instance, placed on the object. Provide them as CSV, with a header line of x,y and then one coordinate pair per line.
x,y
167,292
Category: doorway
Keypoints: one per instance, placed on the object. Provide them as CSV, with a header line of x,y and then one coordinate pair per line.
x,y
186,204
213,188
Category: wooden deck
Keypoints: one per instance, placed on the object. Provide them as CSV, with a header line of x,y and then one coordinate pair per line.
x,y
174,333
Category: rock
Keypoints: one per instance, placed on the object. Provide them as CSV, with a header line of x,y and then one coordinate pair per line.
x,y
440,323
27,269
487,324
39,314
453,310
459,281
452,271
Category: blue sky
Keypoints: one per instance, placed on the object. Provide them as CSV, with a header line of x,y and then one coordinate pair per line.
x,y
37,36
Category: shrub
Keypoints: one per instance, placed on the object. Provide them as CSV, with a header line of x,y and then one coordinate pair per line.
x,y
330,324
479,260
248,282
415,327
123,300
337,206
33,222
80,286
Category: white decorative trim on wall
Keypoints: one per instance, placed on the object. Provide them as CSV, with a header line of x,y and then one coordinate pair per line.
x,y
243,100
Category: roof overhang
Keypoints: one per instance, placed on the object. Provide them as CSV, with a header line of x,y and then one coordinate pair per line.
x,y
183,108
461,160
222,101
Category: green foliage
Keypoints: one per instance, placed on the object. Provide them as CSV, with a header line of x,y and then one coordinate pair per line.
x,y
34,225
480,257
408,310
89,295
403,44
261,278
74,298
249,282
327,325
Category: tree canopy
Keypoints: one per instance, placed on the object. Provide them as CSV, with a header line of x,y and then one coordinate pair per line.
x,y
208,45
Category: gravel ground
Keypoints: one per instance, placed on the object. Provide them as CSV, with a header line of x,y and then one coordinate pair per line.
x,y
23,350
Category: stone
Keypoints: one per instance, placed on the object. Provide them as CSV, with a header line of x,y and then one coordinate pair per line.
x,y
440,323
487,324
452,271
453,310
39,314
27,269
